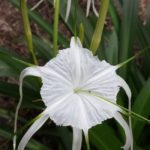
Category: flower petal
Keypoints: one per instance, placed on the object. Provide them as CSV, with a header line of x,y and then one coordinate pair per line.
x,y
94,9
34,71
75,55
103,70
102,80
37,5
87,139
125,86
122,122
36,126
80,111
75,42
88,7
77,139
68,10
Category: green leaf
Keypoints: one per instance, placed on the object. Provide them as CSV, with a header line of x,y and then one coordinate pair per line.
x,y
63,133
127,33
143,39
141,106
114,16
29,95
6,133
43,48
110,44
102,137
9,66
35,145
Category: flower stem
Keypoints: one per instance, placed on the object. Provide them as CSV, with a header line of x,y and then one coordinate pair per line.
x,y
133,57
96,39
56,21
27,30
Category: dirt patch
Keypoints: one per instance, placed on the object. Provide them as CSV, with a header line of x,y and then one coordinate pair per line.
x,y
10,23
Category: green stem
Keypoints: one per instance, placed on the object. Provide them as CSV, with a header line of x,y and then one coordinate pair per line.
x,y
27,30
96,39
56,20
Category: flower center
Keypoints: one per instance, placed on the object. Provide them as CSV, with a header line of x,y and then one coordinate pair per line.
x,y
77,90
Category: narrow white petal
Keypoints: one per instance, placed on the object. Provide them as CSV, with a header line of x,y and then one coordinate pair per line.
x,y
35,126
68,10
87,139
75,42
36,5
94,9
77,139
129,138
125,86
28,71
88,7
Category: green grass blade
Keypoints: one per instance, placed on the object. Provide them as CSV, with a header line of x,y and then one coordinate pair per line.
x,y
141,106
103,137
127,32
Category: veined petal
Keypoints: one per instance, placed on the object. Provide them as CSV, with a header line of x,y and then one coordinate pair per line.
x,y
122,122
75,55
36,126
80,111
101,73
101,79
77,139
68,9
88,7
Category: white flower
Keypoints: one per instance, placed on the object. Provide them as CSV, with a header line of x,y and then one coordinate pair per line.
x,y
89,2
68,81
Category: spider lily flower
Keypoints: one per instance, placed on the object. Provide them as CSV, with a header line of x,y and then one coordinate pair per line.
x,y
64,78
89,3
